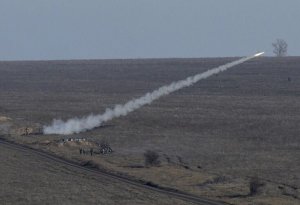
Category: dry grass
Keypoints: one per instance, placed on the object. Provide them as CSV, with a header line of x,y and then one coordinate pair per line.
x,y
4,119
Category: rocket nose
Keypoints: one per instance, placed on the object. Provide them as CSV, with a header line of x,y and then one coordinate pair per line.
x,y
259,54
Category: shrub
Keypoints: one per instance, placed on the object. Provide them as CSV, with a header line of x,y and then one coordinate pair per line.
x,y
255,185
104,144
151,158
105,147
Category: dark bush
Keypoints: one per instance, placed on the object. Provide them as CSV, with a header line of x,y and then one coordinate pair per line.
x,y
90,164
105,147
151,158
104,144
254,185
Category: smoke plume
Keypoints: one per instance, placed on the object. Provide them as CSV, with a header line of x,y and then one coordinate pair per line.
x,y
76,125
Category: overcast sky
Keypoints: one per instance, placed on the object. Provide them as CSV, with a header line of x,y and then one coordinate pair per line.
x,y
98,29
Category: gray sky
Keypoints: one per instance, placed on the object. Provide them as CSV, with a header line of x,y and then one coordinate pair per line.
x,y
97,29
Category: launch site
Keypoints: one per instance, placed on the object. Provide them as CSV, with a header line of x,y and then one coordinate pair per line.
x,y
135,124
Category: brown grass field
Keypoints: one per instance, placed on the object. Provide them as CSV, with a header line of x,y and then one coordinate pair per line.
x,y
212,138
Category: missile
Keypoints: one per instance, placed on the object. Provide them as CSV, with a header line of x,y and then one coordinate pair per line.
x,y
259,54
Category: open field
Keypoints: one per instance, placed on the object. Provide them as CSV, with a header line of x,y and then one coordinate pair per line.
x,y
212,137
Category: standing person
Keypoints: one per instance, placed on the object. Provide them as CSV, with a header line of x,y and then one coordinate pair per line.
x,y
91,151
80,151
26,131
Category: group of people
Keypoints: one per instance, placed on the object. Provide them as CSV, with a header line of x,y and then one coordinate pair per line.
x,y
84,152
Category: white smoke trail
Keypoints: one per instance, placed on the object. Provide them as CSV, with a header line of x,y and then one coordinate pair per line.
x,y
76,125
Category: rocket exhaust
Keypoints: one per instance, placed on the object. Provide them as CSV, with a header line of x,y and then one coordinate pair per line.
x,y
76,125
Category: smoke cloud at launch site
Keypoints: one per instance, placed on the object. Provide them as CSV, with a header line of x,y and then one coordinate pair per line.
x,y
76,125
